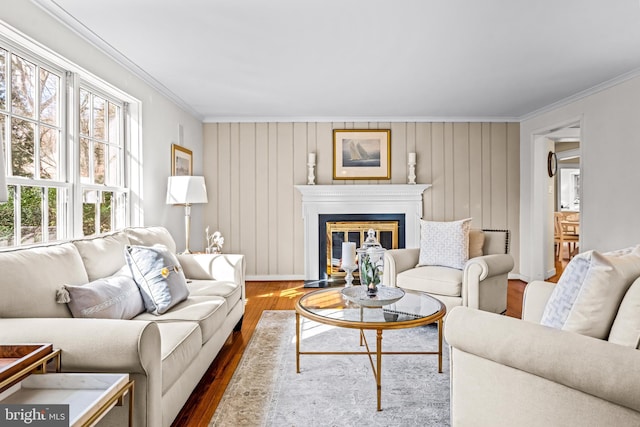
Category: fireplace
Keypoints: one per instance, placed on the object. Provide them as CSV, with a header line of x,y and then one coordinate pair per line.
x,y
383,199
335,229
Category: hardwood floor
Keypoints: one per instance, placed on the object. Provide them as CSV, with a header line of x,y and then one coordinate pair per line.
x,y
266,296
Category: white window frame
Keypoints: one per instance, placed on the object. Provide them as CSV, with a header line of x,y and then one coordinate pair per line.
x,y
72,76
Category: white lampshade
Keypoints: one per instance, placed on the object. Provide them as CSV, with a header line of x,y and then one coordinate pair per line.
x,y
186,190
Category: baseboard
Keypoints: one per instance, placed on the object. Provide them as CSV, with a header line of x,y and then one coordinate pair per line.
x,y
518,276
274,278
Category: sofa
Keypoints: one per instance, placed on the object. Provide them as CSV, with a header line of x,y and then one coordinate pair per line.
x,y
166,354
481,283
513,372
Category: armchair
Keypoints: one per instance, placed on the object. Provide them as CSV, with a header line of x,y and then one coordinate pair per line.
x,y
482,284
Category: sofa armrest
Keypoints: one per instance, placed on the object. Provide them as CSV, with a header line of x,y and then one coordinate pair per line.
x,y
92,345
486,266
536,295
610,372
485,282
396,261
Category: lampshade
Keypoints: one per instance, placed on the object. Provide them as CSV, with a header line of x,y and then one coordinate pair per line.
x,y
186,190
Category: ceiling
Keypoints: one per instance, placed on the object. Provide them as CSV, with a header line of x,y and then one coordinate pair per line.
x,y
357,60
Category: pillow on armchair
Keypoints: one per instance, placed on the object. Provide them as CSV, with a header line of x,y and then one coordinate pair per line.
x,y
444,244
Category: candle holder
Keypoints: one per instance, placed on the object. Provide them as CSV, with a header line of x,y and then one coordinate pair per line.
x,y
349,269
411,179
311,165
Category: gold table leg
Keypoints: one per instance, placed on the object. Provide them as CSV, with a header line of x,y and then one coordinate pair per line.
x,y
297,342
440,346
379,367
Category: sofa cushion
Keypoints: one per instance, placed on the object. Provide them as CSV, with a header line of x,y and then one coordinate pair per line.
x,y
31,277
228,290
149,236
626,326
208,312
589,291
432,279
444,243
476,242
180,344
159,276
102,256
113,297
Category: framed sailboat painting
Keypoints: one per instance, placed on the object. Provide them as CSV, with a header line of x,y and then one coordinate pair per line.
x,y
361,154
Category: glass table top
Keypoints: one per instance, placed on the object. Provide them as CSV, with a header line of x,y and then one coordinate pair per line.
x,y
331,306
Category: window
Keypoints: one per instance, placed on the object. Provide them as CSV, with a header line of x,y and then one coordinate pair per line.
x,y
101,162
64,182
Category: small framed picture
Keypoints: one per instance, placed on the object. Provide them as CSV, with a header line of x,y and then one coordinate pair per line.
x,y
361,154
181,161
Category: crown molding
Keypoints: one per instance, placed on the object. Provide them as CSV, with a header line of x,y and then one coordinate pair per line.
x,y
583,94
351,119
65,18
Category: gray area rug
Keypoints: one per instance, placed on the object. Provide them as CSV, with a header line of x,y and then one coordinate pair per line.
x,y
334,390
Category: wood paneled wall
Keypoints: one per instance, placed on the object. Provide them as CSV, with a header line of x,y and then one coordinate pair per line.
x,y
251,170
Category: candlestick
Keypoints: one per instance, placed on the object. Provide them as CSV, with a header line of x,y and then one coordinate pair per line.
x,y
349,277
411,178
311,165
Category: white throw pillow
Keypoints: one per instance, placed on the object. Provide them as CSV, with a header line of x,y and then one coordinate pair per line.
x,y
626,326
113,297
588,294
444,243
159,276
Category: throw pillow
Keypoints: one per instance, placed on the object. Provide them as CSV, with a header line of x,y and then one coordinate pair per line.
x,y
476,243
159,276
113,297
626,326
444,243
588,294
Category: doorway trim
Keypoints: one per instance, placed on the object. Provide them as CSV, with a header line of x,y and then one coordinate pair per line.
x,y
541,262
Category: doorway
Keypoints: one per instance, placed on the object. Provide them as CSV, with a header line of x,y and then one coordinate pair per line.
x,y
564,203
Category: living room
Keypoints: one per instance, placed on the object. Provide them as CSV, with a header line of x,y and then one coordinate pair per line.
x,y
486,164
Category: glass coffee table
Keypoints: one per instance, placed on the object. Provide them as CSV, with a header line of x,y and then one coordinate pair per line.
x,y
332,307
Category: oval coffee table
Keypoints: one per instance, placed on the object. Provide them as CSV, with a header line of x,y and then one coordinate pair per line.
x,y
331,307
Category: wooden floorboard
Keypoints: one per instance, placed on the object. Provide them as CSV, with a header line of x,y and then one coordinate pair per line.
x,y
261,296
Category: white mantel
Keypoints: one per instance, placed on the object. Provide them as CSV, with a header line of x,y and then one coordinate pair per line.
x,y
357,199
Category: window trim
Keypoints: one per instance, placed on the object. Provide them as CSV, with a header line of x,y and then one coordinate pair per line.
x,y
72,76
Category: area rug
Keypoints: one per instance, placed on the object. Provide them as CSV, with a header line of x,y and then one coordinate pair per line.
x,y
334,390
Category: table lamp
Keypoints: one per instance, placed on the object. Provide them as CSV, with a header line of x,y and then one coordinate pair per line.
x,y
186,191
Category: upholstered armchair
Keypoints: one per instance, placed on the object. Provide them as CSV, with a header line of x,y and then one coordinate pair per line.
x,y
481,284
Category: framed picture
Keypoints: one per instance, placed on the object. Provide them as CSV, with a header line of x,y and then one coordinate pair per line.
x,y
181,161
361,154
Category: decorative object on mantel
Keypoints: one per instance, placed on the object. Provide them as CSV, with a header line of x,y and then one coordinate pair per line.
x,y
371,261
186,191
412,169
311,165
214,242
348,261
361,154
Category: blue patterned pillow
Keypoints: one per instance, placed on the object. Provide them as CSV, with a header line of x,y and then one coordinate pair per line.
x,y
159,276
444,243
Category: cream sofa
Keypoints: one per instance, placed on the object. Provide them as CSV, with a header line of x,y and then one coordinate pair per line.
x,y
166,355
510,372
482,284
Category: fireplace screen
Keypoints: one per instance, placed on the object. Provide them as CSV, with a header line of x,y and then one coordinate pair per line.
x,y
356,231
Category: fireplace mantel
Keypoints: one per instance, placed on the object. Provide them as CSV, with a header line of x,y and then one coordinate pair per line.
x,y
357,199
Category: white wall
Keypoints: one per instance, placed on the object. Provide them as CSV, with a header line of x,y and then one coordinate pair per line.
x,y
610,154
160,116
252,169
